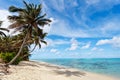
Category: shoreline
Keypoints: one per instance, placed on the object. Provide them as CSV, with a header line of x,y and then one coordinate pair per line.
x,y
34,70
67,67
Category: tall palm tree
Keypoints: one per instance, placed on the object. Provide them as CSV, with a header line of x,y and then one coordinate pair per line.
x,y
30,22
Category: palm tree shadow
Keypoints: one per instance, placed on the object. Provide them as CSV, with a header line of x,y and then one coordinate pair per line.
x,y
69,73
28,64
52,66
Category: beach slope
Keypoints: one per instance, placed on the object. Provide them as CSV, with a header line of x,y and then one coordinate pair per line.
x,y
31,70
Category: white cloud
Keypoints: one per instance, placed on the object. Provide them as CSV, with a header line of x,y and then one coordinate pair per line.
x,y
53,43
4,14
115,41
93,49
102,42
74,44
56,42
86,46
47,28
110,26
62,28
107,28
53,50
3,17
96,49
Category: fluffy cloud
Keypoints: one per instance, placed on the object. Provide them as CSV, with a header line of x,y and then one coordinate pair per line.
x,y
47,28
97,49
110,27
115,41
74,44
3,17
93,49
53,50
86,46
56,42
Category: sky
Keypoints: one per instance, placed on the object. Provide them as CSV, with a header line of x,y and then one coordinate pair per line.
x,y
79,28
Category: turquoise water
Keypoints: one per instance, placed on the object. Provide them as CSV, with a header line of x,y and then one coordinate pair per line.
x,y
110,66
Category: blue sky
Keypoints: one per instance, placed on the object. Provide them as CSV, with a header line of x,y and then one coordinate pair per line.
x,y
79,28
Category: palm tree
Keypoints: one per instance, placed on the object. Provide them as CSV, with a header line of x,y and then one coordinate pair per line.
x,y
30,22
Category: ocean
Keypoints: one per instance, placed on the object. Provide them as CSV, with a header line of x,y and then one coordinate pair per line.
x,y
107,66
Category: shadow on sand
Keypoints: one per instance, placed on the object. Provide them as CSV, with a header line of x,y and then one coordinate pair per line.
x,y
58,70
37,64
25,63
69,73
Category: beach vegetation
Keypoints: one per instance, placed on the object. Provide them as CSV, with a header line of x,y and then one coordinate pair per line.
x,y
10,45
6,57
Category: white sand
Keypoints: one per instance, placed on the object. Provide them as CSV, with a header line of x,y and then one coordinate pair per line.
x,y
43,71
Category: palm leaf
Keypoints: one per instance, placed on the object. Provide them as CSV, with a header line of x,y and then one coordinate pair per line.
x,y
2,34
4,29
14,9
44,42
40,17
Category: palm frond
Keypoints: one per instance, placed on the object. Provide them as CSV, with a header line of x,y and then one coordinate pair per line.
x,y
2,34
14,9
43,22
44,42
15,25
13,18
40,17
44,35
4,29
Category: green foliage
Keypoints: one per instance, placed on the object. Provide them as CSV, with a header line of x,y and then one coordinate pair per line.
x,y
11,44
6,57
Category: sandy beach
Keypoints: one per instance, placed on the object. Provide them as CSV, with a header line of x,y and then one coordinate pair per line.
x,y
31,70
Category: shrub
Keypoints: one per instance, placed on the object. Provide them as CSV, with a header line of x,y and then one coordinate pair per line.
x,y
7,57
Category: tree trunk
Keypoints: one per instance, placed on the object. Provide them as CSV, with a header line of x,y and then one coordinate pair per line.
x,y
19,52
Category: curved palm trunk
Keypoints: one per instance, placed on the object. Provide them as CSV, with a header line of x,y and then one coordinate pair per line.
x,y
19,52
